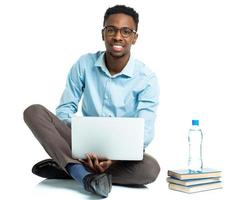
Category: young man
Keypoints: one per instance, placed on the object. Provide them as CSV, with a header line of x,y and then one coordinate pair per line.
x,y
113,84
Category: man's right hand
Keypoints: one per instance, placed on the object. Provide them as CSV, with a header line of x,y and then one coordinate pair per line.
x,y
98,165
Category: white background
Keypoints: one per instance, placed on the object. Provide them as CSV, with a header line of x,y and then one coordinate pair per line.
x,y
195,47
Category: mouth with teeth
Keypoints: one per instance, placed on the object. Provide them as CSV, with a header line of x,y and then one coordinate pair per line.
x,y
117,47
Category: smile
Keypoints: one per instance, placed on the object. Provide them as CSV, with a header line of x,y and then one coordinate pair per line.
x,y
117,47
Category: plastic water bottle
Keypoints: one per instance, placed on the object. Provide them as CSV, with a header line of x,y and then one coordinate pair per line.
x,y
195,137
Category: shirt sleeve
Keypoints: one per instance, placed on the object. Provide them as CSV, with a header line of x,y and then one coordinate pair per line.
x,y
72,94
148,101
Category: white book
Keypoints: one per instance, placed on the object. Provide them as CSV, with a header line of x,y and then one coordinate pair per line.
x,y
195,188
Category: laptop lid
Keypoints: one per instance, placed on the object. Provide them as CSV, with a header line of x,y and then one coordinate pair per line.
x,y
110,137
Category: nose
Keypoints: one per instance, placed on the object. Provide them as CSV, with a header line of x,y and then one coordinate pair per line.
x,y
118,35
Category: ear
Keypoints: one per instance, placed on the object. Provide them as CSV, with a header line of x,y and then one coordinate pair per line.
x,y
135,38
102,35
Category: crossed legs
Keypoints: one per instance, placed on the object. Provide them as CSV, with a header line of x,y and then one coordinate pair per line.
x,y
55,137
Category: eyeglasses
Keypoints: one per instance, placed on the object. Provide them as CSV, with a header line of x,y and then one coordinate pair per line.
x,y
124,31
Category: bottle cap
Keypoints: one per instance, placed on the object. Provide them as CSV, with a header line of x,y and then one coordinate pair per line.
x,y
195,122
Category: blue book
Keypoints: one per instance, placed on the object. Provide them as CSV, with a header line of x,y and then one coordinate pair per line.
x,y
190,182
185,174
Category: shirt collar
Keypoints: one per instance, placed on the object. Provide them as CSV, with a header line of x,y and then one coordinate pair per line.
x,y
127,71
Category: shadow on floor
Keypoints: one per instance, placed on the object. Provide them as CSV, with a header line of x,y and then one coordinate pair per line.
x,y
66,184
71,185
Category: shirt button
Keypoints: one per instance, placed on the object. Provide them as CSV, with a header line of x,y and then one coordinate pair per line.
x,y
106,96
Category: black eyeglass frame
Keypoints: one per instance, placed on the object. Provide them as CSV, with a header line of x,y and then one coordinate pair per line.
x,y
120,30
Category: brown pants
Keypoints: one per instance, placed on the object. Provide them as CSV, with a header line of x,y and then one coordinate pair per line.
x,y
55,137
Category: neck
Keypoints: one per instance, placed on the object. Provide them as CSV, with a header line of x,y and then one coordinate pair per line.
x,y
116,64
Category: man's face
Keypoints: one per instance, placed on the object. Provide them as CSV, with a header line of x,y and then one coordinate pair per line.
x,y
117,44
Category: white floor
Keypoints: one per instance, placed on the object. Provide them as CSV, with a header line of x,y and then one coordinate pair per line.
x,y
50,189
33,187
69,188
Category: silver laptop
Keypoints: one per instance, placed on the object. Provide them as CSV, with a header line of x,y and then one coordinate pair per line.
x,y
110,137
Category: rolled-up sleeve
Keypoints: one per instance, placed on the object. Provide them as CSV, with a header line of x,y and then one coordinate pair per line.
x,y
148,100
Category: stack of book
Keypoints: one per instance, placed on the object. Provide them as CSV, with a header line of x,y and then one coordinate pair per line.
x,y
188,182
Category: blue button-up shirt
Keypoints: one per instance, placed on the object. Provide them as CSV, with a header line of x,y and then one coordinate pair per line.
x,y
134,92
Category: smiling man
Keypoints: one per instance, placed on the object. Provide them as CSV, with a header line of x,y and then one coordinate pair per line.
x,y
112,84
117,47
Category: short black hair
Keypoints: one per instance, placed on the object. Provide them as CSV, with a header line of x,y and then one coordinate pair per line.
x,y
122,9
